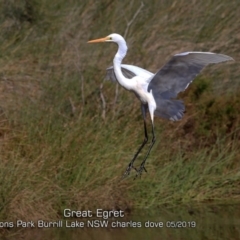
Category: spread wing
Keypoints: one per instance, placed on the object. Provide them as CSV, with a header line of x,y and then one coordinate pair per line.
x,y
179,72
129,71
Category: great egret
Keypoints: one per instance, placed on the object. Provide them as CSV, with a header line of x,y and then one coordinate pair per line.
x,y
157,91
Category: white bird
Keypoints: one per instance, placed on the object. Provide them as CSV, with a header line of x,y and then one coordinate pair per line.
x,y
157,91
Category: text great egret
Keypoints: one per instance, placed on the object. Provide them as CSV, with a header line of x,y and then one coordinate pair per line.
x,y
157,91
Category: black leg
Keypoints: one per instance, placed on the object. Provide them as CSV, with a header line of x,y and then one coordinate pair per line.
x,y
142,167
130,165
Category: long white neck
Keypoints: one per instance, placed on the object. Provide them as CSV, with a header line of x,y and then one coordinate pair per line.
x,y
121,53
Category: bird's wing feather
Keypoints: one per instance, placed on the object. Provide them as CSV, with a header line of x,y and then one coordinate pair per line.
x,y
129,71
179,72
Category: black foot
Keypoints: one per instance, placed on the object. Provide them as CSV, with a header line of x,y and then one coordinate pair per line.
x,y
140,170
128,170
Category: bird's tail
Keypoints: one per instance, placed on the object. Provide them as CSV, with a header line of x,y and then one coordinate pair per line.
x,y
170,109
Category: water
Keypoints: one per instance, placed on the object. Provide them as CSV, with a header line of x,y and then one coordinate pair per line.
x,y
206,221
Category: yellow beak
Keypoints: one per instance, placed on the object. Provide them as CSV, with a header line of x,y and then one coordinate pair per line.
x,y
98,40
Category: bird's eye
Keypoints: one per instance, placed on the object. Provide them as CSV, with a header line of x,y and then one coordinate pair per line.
x,y
110,38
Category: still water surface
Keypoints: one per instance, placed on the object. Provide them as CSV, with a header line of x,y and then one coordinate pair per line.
x,y
206,221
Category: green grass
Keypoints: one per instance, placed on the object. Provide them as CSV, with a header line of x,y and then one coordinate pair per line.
x,y
58,151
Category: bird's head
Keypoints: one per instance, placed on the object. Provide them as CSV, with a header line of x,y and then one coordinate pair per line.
x,y
114,37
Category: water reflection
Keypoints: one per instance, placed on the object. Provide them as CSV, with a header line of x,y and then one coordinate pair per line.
x,y
199,222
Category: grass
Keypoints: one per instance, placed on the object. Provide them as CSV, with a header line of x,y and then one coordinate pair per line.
x,y
58,151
